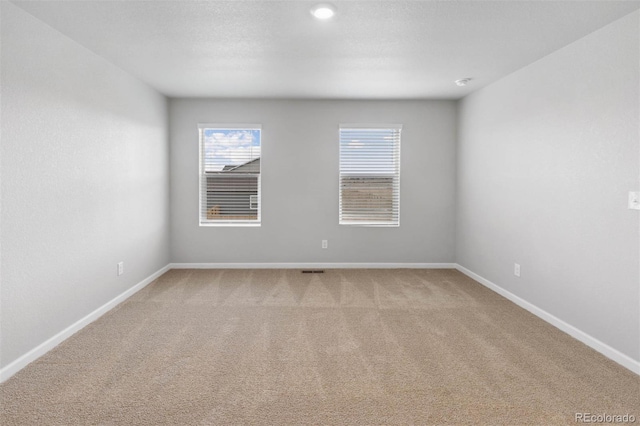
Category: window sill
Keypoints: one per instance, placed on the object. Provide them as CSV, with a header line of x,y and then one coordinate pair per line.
x,y
371,225
231,224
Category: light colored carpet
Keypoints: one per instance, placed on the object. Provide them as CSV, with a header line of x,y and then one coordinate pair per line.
x,y
396,347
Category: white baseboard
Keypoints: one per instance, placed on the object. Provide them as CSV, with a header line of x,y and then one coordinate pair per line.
x,y
312,265
43,348
606,350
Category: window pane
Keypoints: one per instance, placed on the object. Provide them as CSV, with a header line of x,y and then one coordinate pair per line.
x,y
230,180
369,176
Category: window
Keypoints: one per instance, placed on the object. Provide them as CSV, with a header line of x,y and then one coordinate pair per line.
x,y
230,174
370,175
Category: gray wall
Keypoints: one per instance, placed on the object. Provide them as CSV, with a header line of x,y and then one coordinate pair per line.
x,y
546,157
300,183
84,174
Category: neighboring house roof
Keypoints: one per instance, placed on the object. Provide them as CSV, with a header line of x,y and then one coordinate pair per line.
x,y
248,167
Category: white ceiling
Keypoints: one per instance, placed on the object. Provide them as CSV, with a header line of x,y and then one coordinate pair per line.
x,y
370,50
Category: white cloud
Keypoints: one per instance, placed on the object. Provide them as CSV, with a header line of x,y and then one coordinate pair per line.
x,y
230,148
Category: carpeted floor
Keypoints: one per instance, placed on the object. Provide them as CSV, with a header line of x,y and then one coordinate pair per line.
x,y
278,347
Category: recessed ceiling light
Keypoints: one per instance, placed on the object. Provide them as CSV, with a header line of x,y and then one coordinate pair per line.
x,y
323,11
463,81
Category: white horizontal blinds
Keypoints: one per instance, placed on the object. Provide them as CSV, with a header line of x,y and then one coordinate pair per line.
x,y
230,174
370,175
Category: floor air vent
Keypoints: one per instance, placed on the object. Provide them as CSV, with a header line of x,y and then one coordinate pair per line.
x,y
313,271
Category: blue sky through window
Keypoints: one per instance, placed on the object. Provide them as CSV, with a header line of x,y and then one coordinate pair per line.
x,y
230,147
366,151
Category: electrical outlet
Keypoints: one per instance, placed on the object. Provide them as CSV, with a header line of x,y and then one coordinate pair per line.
x,y
516,269
120,268
325,244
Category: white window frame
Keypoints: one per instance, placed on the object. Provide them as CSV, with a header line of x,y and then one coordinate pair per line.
x,y
203,221
395,221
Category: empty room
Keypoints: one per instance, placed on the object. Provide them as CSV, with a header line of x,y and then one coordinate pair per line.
x,y
298,212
